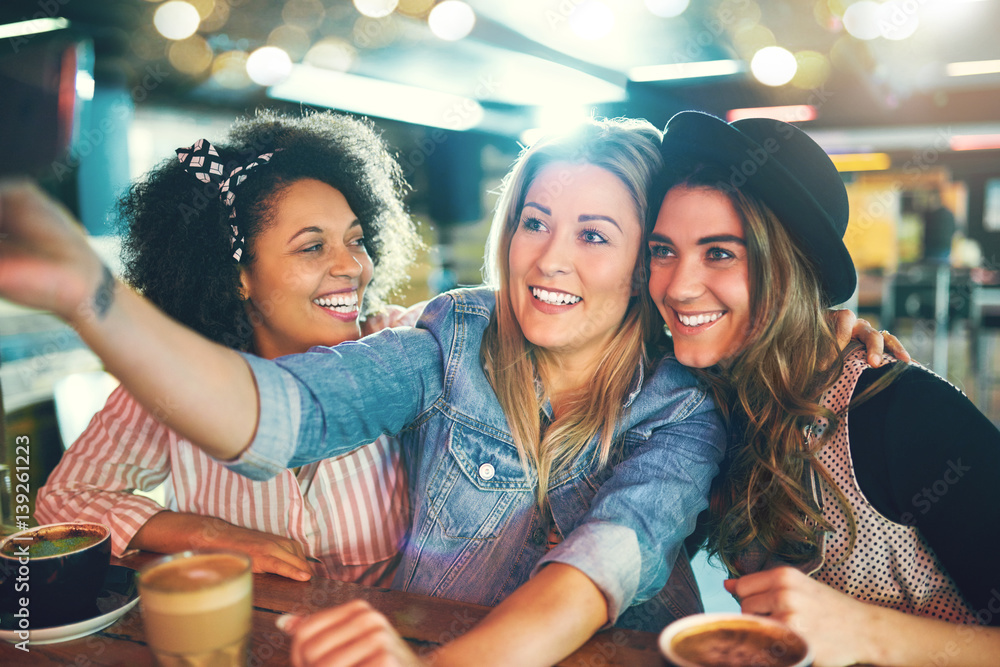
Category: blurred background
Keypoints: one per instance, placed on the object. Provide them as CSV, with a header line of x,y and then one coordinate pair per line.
x,y
904,95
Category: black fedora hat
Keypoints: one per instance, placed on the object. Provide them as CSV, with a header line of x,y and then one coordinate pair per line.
x,y
784,168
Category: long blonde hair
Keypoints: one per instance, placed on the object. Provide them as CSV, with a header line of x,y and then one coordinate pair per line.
x,y
629,149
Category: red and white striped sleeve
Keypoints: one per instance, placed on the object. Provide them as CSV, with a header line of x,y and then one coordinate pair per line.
x,y
123,449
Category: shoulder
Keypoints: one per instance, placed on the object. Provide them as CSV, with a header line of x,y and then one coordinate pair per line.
x,y
477,302
674,391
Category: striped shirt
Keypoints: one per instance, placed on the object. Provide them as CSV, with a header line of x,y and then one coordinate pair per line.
x,y
351,513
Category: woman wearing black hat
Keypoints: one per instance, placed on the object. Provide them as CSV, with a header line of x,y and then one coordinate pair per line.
x,y
888,520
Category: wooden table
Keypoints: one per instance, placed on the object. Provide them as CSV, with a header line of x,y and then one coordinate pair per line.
x,y
425,622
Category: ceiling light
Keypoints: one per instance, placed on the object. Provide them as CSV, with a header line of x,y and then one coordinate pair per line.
x,y
773,66
684,70
376,9
667,8
861,20
451,20
975,142
32,27
176,19
268,65
378,98
793,113
861,161
592,20
973,67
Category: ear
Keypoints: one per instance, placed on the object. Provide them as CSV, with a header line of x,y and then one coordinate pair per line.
x,y
244,284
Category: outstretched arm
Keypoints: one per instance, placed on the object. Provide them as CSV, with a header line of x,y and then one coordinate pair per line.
x,y
202,390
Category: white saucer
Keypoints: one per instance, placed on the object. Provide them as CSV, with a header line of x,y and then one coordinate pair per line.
x,y
118,596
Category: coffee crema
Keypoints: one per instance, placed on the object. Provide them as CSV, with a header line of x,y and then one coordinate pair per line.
x,y
45,542
738,644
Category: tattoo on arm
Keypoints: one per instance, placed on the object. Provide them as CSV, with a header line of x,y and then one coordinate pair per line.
x,y
105,294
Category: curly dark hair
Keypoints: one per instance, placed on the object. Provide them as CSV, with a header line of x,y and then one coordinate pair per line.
x,y
176,242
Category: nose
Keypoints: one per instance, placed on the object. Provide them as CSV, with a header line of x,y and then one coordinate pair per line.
x,y
554,257
344,264
685,283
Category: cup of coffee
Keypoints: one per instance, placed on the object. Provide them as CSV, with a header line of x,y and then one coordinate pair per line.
x,y
52,574
733,640
196,608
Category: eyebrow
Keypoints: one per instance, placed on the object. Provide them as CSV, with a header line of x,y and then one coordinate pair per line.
x,y
306,230
582,218
705,240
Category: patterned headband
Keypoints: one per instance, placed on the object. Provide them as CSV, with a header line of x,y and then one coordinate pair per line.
x,y
202,161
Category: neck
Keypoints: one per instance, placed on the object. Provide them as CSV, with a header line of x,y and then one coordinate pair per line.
x,y
565,374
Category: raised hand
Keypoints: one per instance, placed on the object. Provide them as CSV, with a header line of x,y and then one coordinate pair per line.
x,y
45,259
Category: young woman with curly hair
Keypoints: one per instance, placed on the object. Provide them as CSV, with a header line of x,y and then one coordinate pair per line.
x,y
856,502
295,254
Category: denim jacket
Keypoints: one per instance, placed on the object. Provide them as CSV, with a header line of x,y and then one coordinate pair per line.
x,y
477,532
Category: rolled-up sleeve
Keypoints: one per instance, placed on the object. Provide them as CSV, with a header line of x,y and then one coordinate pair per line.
x,y
630,536
333,400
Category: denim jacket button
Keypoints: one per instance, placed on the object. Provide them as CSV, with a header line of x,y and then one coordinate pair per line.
x,y
486,471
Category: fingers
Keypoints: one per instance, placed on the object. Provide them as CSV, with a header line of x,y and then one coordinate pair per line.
x,y
844,325
350,634
282,563
894,347
761,582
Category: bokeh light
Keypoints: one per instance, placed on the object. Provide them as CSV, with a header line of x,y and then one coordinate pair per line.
x,y
229,70
332,53
204,7
861,20
667,8
191,56
592,20
813,70
217,19
898,20
268,66
376,9
750,39
176,19
415,8
773,66
292,39
451,20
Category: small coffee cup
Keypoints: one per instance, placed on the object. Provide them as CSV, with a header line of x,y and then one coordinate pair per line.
x,y
733,640
52,574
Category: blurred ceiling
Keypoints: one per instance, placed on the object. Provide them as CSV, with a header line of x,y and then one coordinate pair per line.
x,y
528,60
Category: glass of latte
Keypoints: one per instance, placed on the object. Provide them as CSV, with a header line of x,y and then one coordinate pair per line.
x,y
196,608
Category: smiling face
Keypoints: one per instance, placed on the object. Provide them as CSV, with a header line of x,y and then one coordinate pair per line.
x,y
572,260
309,272
699,275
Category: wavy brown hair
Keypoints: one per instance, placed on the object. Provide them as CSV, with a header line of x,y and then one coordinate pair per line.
x,y
769,393
629,149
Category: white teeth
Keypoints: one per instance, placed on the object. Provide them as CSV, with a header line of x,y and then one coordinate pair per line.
x,y
554,298
345,302
698,320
